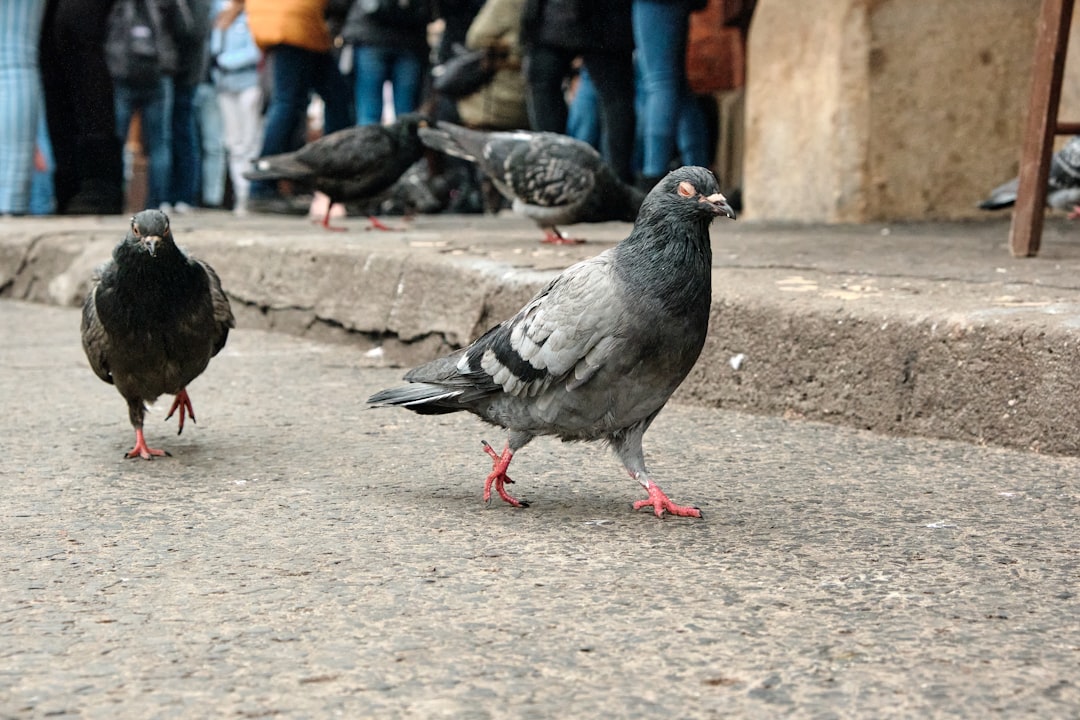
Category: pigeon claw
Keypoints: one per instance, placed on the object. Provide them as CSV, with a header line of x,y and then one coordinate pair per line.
x,y
660,504
142,450
554,236
498,476
183,403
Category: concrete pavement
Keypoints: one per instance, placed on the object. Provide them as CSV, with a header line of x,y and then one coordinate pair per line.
x,y
930,330
301,556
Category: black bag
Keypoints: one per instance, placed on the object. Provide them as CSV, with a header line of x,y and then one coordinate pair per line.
x,y
464,73
132,43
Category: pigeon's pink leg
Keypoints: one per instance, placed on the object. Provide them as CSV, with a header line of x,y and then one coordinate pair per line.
x,y
660,503
1074,214
183,402
553,236
377,224
326,220
498,475
141,449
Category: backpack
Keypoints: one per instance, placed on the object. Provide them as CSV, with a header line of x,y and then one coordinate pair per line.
x,y
132,42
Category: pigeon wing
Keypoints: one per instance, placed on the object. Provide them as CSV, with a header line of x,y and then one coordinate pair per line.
x,y
564,335
95,340
223,315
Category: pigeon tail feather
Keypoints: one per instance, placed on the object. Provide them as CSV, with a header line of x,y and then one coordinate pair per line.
x,y
423,398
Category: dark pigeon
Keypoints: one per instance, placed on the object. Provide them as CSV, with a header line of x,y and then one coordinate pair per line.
x,y
356,163
598,352
1062,185
552,179
152,320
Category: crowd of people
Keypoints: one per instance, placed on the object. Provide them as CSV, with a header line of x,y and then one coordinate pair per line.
x,y
216,84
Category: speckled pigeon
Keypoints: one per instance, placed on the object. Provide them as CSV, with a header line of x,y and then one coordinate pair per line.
x,y
552,179
598,352
1062,185
356,163
152,320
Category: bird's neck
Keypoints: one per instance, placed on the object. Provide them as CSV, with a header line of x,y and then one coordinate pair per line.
x,y
671,262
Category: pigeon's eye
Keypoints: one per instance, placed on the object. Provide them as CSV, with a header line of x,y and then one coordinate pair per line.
x,y
135,228
686,189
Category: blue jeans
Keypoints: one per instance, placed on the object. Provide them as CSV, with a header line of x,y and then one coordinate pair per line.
x,y
295,73
186,152
672,118
373,67
155,103
20,100
211,131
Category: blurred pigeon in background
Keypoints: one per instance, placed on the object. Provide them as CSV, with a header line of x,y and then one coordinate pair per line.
x,y
356,163
552,179
1062,185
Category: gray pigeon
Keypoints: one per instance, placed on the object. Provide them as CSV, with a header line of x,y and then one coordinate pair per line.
x,y
1062,185
356,163
152,320
551,178
598,352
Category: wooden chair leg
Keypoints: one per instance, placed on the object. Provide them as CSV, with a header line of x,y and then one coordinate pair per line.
x,y
1050,48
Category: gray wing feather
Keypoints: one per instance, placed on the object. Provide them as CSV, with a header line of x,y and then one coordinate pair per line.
x,y
95,340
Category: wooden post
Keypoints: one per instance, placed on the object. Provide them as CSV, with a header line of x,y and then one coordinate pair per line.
x,y
1049,67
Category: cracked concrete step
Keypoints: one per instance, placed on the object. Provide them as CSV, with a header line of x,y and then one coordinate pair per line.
x,y
924,329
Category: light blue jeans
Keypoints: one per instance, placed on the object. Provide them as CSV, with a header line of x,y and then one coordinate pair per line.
x,y
20,100
155,103
672,118
373,66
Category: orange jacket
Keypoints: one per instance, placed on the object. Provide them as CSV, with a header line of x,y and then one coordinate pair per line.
x,y
300,23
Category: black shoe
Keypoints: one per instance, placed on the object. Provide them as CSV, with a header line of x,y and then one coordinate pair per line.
x,y
95,198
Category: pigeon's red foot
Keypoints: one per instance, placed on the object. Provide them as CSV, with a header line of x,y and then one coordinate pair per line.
x,y
499,477
1074,214
660,504
183,403
377,224
142,450
552,236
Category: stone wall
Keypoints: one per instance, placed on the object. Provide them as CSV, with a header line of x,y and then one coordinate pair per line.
x,y
883,110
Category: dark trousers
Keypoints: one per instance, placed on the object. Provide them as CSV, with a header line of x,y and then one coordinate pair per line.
x,y
79,106
297,73
613,75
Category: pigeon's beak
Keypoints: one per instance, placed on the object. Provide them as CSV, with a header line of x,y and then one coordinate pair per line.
x,y
150,242
720,205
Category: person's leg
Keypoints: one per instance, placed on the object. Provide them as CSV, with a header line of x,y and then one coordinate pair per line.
x,y
20,100
583,115
289,72
692,135
157,141
213,147
660,38
81,110
186,153
243,130
371,67
407,78
328,82
545,70
613,76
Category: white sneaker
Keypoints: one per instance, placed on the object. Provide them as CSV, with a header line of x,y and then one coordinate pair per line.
x,y
165,208
182,208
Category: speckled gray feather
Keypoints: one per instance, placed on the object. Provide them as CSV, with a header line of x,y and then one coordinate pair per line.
x,y
552,179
